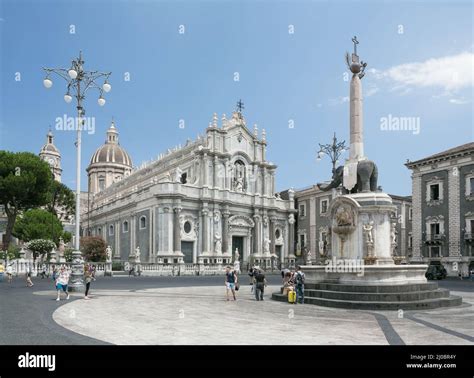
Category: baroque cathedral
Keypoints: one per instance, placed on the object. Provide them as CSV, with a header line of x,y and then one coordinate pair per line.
x,y
209,202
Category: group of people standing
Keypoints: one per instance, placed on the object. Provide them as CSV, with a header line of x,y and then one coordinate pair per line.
x,y
60,278
293,281
258,282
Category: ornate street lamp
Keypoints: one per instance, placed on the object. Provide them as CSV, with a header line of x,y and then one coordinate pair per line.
x,y
79,81
334,151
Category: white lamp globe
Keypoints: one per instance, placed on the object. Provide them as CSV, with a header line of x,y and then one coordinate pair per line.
x,y
47,83
72,73
67,98
106,87
101,101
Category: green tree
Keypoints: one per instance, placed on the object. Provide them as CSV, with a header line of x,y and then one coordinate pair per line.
x,y
93,248
39,224
25,182
62,201
40,247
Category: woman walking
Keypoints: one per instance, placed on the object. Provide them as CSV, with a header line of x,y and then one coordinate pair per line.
x,y
62,282
89,276
10,273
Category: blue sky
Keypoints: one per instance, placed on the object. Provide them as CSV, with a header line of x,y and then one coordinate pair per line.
x,y
419,54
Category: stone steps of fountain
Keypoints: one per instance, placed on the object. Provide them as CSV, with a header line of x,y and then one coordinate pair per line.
x,y
378,297
424,304
428,286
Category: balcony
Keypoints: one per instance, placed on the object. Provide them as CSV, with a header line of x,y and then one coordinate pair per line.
x,y
468,237
434,239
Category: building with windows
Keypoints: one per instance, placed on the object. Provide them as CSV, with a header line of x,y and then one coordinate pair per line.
x,y
208,202
313,224
443,209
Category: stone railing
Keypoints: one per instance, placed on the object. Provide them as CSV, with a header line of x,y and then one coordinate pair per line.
x,y
21,266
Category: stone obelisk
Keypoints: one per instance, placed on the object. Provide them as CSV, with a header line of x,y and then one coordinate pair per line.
x,y
356,151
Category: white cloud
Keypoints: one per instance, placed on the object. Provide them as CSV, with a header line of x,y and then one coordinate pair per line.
x,y
459,101
338,100
450,73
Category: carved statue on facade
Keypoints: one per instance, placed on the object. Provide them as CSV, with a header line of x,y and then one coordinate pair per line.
x,y
218,243
368,227
266,245
178,174
108,252
137,254
344,216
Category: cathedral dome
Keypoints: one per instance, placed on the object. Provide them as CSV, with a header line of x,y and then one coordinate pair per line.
x,y
111,152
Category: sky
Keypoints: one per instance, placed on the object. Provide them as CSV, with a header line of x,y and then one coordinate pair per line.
x,y
182,59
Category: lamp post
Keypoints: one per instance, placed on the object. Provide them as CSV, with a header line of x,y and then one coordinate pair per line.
x,y
334,151
79,81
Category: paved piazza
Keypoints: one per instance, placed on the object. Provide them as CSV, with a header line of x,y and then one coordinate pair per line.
x,y
200,315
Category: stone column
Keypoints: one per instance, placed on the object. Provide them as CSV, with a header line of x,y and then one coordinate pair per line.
x,y
205,226
215,178
272,235
256,234
264,184
225,231
291,238
356,130
454,225
416,218
205,170
176,230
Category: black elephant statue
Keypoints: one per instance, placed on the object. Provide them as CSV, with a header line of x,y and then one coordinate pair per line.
x,y
367,175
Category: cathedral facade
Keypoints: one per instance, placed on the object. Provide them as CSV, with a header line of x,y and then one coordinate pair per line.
x,y
211,201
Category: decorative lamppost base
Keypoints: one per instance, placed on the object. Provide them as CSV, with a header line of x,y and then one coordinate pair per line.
x,y
77,272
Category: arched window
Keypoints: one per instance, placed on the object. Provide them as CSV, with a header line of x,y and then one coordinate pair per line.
x,y
111,230
143,221
125,226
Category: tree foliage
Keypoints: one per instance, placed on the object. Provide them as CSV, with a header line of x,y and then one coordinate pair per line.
x,y
93,248
40,247
62,201
25,183
39,224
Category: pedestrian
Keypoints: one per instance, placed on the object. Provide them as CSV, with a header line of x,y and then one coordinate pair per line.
x,y
29,282
460,275
89,276
54,272
230,282
2,272
62,281
252,273
260,284
299,281
43,271
9,273
132,271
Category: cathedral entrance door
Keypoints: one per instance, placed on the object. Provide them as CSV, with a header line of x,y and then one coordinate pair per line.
x,y
187,250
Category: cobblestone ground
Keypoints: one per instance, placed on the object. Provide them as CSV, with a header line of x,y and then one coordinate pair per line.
x,y
201,315
193,310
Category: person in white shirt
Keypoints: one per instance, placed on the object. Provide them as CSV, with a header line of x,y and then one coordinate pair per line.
x,y
10,273
62,281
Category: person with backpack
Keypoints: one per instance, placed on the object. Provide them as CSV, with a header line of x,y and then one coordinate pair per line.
x,y
260,283
299,283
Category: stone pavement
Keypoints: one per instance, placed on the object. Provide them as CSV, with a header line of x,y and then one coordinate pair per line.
x,y
200,315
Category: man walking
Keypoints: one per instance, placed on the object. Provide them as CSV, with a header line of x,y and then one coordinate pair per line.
x,y
260,283
299,281
230,282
